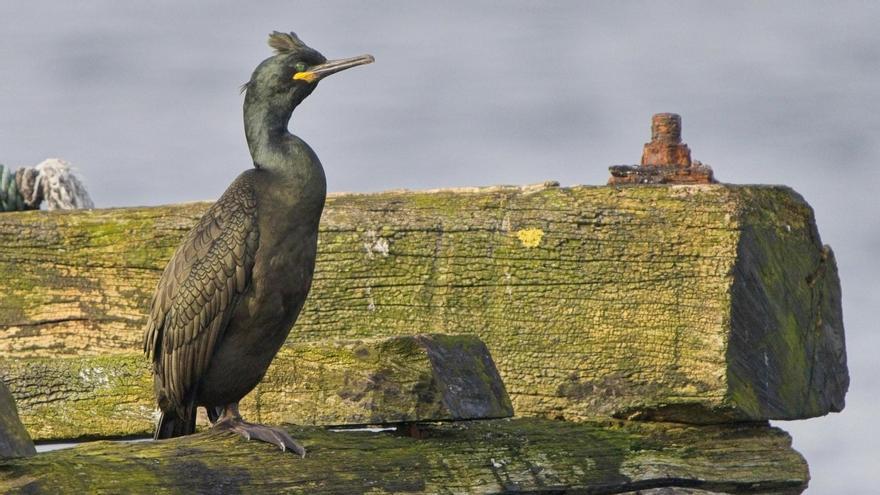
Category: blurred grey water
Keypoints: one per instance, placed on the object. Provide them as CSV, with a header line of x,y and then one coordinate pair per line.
x,y
143,98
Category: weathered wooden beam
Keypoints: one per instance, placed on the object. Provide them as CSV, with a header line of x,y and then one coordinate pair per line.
x,y
360,382
689,303
14,439
500,456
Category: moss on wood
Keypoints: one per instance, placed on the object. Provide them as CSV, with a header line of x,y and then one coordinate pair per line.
x,y
372,381
381,381
72,398
785,349
632,301
500,456
14,439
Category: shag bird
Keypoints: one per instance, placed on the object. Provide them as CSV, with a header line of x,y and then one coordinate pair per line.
x,y
233,289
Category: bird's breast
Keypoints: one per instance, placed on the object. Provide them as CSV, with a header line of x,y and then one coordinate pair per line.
x,y
288,218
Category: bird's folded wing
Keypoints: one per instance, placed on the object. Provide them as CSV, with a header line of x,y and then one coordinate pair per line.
x,y
198,290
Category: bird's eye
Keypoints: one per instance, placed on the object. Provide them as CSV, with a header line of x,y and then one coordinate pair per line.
x,y
300,66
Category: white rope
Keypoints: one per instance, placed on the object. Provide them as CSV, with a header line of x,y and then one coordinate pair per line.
x,y
52,181
62,190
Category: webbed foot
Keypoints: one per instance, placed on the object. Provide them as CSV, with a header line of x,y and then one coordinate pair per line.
x,y
231,421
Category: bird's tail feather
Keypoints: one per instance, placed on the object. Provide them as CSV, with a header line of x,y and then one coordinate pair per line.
x,y
173,424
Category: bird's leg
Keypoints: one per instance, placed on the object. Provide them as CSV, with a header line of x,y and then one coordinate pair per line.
x,y
231,421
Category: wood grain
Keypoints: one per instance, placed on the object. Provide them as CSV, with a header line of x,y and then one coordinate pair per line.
x,y
501,456
688,303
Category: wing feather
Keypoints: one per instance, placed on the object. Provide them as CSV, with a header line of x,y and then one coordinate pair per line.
x,y
198,291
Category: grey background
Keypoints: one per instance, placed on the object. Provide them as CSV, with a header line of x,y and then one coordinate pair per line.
x,y
143,99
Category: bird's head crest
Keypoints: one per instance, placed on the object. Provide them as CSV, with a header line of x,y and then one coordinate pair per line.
x,y
285,42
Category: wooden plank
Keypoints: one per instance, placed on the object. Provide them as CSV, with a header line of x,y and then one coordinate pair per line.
x,y
687,303
360,382
499,456
14,439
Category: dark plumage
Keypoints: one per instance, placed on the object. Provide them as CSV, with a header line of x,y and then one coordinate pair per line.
x,y
233,289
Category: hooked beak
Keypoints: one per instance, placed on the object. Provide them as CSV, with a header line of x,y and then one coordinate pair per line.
x,y
318,72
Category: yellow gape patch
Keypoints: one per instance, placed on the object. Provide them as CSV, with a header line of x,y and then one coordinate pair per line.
x,y
306,76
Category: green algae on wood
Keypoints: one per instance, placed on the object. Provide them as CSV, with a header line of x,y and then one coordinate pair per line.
x,y
381,381
795,344
91,397
14,439
498,456
642,302
370,381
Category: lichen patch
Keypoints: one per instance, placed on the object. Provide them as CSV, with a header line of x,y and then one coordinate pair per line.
x,y
530,238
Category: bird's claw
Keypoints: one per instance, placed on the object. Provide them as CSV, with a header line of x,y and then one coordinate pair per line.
x,y
254,431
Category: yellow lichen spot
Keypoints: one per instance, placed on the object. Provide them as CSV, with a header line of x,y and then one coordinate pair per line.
x,y
530,237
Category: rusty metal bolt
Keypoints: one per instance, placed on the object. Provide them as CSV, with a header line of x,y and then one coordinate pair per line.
x,y
665,160
666,148
666,128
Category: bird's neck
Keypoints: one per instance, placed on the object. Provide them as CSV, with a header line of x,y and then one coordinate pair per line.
x,y
265,127
295,171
